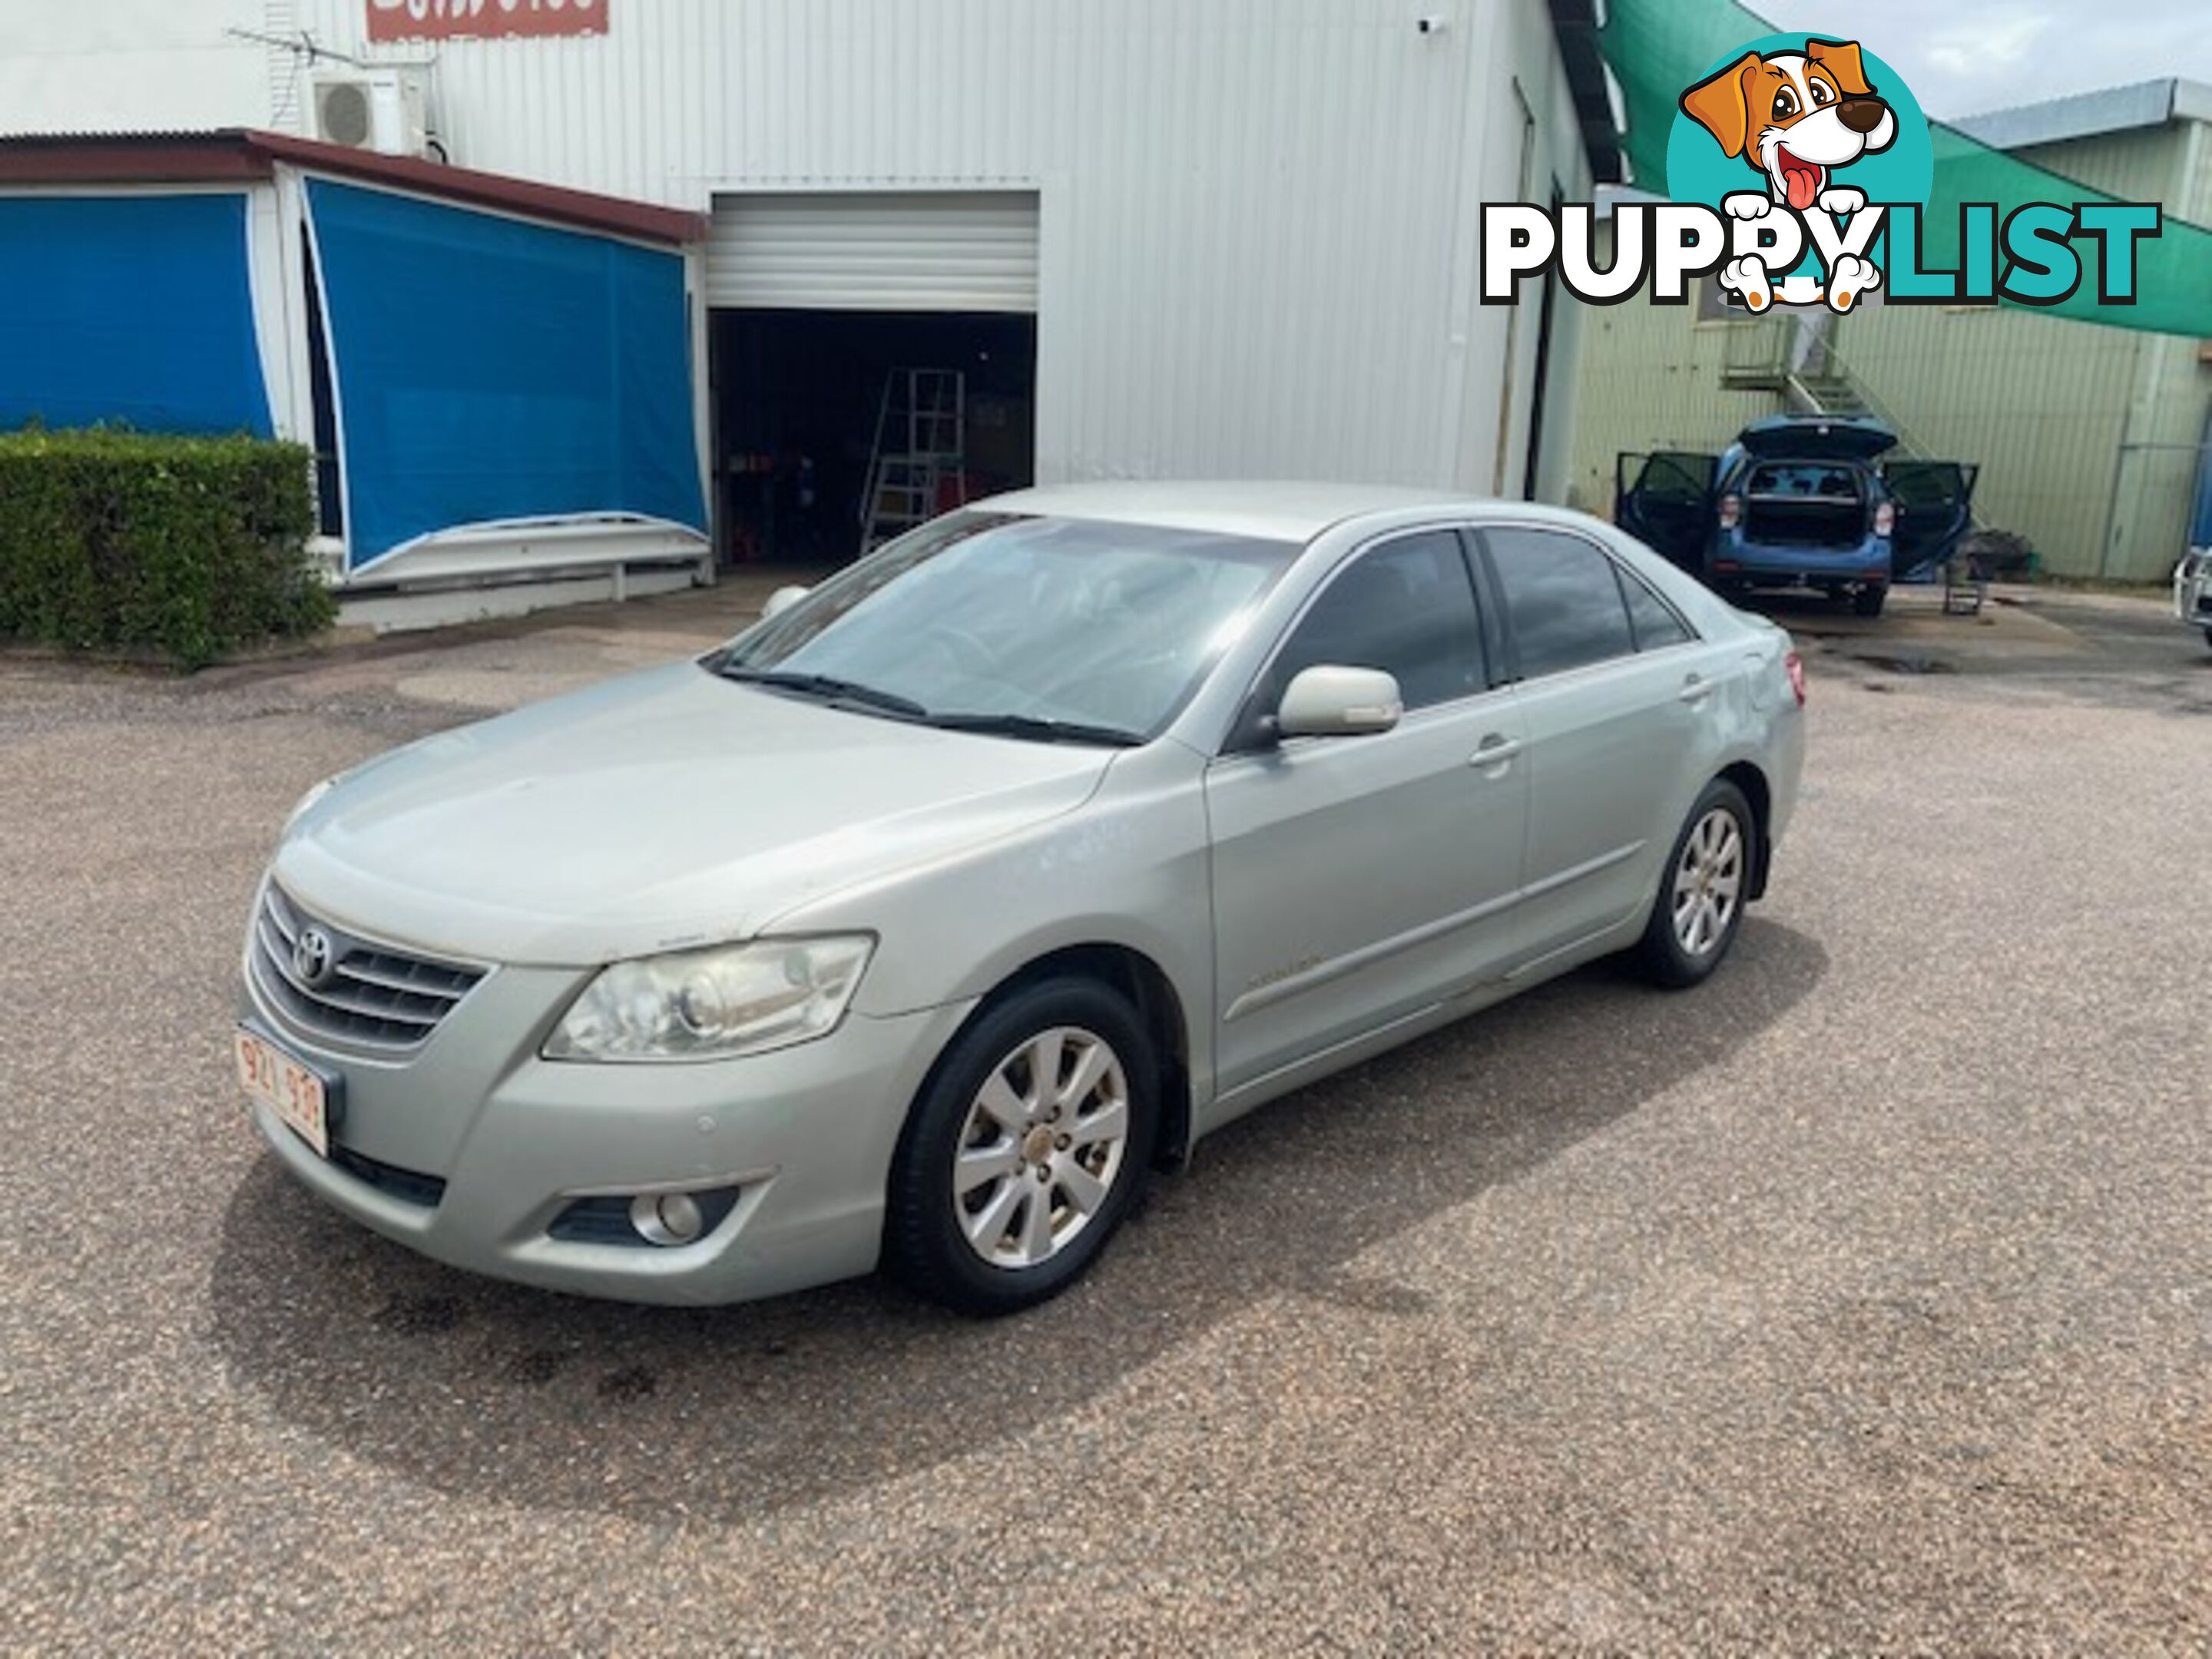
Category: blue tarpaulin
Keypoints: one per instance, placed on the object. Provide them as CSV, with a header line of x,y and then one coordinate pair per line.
x,y
489,370
130,309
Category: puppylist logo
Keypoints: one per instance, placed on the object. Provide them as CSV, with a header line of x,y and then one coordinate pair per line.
x,y
1800,169
1805,119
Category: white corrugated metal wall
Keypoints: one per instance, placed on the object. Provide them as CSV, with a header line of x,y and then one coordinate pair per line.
x,y
132,65
1256,244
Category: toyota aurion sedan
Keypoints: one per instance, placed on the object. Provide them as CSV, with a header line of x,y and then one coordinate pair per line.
x,y
916,924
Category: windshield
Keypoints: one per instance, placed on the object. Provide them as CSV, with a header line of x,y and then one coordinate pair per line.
x,y
1034,626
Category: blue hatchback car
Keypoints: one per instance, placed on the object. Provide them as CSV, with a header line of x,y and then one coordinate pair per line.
x,y
1800,500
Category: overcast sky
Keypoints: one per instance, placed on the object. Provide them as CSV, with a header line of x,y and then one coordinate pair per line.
x,y
1968,57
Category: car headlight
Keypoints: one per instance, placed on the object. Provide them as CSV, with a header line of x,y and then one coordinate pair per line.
x,y
713,1004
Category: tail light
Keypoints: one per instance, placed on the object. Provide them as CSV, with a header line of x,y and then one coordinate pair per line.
x,y
1885,518
1793,665
1731,510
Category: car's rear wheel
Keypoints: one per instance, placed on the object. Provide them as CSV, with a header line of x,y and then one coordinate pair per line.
x,y
1867,602
2207,636
1702,889
1025,1149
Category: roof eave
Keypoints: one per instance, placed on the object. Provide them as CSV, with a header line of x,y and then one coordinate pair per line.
x,y
234,155
1575,23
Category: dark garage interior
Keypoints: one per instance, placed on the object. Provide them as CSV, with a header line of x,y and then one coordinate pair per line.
x,y
797,398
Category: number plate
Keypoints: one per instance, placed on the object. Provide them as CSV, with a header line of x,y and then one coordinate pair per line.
x,y
292,1090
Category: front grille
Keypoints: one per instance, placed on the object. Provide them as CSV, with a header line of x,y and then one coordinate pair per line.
x,y
408,1186
602,1221
369,997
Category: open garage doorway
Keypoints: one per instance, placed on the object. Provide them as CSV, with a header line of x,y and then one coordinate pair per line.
x,y
798,396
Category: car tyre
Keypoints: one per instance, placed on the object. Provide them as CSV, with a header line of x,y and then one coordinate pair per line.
x,y
1868,601
1008,1183
2207,636
1703,889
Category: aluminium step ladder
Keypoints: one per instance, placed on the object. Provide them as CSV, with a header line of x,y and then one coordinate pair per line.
x,y
921,444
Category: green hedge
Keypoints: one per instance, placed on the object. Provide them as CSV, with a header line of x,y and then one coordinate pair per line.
x,y
133,542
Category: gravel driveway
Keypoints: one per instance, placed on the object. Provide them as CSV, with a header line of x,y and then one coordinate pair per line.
x,y
1861,1299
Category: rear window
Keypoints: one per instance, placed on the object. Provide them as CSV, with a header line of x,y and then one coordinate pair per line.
x,y
1804,480
1562,602
1656,623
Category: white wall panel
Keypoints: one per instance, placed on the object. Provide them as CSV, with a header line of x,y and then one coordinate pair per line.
x,y
131,65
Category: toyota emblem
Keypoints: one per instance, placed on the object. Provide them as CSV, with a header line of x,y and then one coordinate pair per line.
x,y
313,957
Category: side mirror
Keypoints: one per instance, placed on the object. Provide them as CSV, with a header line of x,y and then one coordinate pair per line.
x,y
1327,701
782,599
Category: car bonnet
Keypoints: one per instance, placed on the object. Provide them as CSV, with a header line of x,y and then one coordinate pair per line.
x,y
660,810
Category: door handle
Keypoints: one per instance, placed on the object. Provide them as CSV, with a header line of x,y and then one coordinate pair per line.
x,y
1494,750
1695,689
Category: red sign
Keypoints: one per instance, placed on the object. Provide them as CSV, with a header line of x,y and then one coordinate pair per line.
x,y
466,20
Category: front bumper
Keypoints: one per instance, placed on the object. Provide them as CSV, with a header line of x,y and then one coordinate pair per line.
x,y
2192,590
470,1150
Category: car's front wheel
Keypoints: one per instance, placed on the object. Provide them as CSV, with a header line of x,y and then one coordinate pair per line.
x,y
2207,636
1867,602
1025,1149
1702,889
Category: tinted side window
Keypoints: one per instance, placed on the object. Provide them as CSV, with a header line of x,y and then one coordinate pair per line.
x,y
1561,600
1406,607
1657,624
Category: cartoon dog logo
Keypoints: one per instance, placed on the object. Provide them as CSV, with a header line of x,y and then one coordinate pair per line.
x,y
1794,117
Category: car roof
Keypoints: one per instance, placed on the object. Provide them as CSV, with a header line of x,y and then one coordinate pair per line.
x,y
1279,511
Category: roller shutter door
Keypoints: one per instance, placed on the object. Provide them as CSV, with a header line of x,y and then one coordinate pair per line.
x,y
890,251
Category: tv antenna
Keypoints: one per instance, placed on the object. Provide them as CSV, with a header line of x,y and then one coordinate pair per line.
x,y
303,47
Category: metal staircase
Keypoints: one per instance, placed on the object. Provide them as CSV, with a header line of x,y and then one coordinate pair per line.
x,y
1764,356
921,446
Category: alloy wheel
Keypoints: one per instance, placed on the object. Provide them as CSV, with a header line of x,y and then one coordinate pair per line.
x,y
1708,882
1040,1147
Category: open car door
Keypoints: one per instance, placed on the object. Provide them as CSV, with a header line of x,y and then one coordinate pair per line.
x,y
1667,503
1934,502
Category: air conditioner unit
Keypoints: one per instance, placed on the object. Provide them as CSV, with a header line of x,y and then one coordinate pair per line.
x,y
371,109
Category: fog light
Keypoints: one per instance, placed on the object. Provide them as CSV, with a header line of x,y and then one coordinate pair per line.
x,y
666,1218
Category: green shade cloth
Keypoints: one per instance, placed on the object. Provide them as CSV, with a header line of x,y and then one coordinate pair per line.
x,y
1656,48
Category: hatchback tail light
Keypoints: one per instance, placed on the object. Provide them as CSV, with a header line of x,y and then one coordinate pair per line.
x,y
1793,665
1731,510
1885,518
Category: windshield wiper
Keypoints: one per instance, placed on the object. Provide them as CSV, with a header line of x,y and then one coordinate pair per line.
x,y
829,686
1036,729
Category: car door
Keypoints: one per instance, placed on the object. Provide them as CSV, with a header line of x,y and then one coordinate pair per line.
x,y
1618,694
1933,504
1668,504
1358,879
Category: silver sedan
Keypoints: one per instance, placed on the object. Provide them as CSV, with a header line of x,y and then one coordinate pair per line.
x,y
916,926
